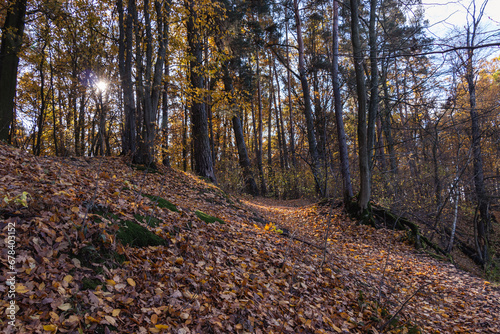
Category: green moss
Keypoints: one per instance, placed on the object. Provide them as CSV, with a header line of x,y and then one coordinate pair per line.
x,y
107,215
135,235
90,255
149,220
207,218
149,169
90,284
161,202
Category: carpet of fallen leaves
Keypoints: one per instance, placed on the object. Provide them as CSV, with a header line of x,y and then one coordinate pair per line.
x,y
240,276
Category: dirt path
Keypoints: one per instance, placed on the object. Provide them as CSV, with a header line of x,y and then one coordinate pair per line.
x,y
386,271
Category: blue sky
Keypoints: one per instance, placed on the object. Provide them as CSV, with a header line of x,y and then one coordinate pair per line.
x,y
443,15
448,17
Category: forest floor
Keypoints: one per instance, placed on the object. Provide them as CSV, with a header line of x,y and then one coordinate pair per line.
x,y
214,263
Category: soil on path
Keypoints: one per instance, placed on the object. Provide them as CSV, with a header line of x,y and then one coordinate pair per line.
x,y
387,272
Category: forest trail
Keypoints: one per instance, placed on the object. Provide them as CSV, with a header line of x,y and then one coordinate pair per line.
x,y
437,297
214,263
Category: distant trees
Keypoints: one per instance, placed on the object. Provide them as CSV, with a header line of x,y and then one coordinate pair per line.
x,y
468,61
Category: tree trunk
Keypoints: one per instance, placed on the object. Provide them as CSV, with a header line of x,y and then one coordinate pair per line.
x,y
203,165
184,138
279,118
263,188
483,222
12,38
386,124
277,113
311,137
373,107
43,103
53,102
164,113
250,185
290,109
344,153
125,43
482,199
269,119
363,154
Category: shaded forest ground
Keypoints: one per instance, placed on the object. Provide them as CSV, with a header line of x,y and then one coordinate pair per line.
x,y
219,264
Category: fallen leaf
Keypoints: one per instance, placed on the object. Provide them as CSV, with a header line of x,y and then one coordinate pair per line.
x,y
64,307
49,328
131,281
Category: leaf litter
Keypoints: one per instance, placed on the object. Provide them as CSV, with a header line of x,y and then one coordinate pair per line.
x,y
243,276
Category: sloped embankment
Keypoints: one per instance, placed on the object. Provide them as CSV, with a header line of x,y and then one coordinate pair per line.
x,y
199,261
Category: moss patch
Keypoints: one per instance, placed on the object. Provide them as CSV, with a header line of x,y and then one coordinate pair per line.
x,y
90,284
90,256
150,170
207,218
162,203
135,235
149,220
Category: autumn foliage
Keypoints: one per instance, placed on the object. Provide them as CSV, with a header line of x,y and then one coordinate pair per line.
x,y
226,265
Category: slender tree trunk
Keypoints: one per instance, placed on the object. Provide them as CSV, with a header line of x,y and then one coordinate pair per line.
x,y
278,125
165,96
363,154
43,103
102,125
437,180
483,223
482,199
250,185
386,124
320,118
165,112
12,39
269,118
255,142
81,125
373,107
343,150
263,188
290,105
184,139
53,102
311,137
279,118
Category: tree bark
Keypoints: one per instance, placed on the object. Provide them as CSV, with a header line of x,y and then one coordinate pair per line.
x,y
363,154
125,43
386,124
43,103
250,185
279,118
343,150
373,107
290,105
311,137
12,38
263,188
482,198
203,165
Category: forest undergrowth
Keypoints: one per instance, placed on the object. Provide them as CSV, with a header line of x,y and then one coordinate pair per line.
x,y
103,247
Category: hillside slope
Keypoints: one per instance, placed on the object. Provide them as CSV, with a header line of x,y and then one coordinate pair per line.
x,y
217,265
